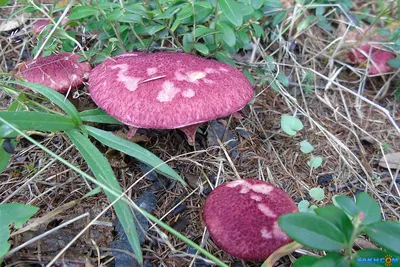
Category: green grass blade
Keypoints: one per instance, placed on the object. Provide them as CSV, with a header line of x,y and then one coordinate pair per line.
x,y
39,121
97,115
133,150
4,157
54,97
103,172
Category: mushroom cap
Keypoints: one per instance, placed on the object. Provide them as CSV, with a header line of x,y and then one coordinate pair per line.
x,y
242,218
378,58
167,90
59,72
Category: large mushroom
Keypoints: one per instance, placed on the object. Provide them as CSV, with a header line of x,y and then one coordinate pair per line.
x,y
60,72
242,218
167,90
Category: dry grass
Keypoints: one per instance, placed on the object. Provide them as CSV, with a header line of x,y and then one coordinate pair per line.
x,y
349,118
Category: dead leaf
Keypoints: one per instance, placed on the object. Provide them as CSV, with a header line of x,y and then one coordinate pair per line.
x,y
393,161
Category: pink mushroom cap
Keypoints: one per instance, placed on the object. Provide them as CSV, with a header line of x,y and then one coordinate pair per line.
x,y
242,218
40,24
377,58
60,72
167,90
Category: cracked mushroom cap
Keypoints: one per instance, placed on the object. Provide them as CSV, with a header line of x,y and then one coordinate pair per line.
x,y
59,72
242,218
167,90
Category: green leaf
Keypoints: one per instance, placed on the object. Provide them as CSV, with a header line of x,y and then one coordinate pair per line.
x,y
372,258
395,63
81,12
338,218
259,31
386,234
202,48
306,147
4,157
220,56
152,29
202,10
101,169
133,150
227,34
333,259
347,205
305,261
291,125
317,193
39,121
283,79
370,208
231,11
315,161
4,2
256,4
303,205
54,97
115,14
130,18
16,214
312,231
186,12
202,31
97,115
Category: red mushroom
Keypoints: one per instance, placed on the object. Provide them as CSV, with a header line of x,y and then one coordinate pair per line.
x,y
242,218
61,72
376,56
168,90
40,24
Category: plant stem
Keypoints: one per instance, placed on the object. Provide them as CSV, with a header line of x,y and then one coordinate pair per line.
x,y
357,229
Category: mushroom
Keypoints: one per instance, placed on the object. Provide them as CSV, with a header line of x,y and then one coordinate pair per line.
x,y
242,218
61,72
376,56
167,90
40,24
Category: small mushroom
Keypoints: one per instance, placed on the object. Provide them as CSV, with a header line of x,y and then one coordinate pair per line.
x,y
242,218
40,24
61,72
168,90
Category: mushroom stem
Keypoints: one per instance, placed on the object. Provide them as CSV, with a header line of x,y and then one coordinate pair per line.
x,y
132,132
190,132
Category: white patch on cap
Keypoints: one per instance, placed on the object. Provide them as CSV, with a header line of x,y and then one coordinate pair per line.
x,y
168,92
76,66
265,233
208,81
86,75
211,70
255,197
151,71
235,183
131,83
262,188
189,93
278,233
266,210
66,58
73,77
223,69
196,75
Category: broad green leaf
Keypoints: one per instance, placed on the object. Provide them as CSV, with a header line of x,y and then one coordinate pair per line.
x,y
4,2
395,63
115,14
101,169
130,18
291,125
226,33
370,208
201,11
317,193
256,4
332,259
283,79
97,115
133,150
232,12
222,57
303,205
202,31
152,29
81,12
372,258
202,48
347,205
338,218
312,231
244,9
39,121
259,31
249,76
305,261
54,97
315,161
186,12
306,147
386,234
16,214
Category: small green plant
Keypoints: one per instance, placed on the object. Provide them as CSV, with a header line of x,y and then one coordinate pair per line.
x,y
15,215
291,125
334,228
